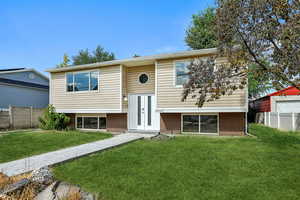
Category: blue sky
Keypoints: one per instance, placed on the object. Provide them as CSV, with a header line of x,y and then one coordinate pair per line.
x,y
36,33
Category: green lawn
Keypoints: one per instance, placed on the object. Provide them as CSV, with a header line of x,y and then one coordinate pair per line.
x,y
265,167
23,144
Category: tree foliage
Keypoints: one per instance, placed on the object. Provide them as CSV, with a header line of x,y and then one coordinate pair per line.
x,y
258,85
65,62
264,33
98,55
52,120
201,33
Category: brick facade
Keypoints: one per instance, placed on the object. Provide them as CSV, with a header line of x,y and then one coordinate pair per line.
x,y
116,122
232,123
170,123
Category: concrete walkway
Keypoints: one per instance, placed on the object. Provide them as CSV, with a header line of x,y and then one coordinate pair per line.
x,y
51,158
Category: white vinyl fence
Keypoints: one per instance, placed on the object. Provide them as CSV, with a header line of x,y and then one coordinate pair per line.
x,y
284,121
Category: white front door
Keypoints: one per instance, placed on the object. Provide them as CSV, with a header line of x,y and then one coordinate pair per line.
x,y
141,109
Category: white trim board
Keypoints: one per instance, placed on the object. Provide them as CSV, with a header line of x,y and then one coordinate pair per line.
x,y
88,110
121,87
50,89
202,110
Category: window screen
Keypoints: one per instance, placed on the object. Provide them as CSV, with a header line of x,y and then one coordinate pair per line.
x,y
182,70
191,123
209,124
70,86
79,122
91,122
102,123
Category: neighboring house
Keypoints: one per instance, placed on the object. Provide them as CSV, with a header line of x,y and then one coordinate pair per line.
x,y
143,94
24,88
283,101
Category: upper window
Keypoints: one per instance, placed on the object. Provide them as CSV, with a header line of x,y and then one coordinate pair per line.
x,y
82,81
143,78
181,72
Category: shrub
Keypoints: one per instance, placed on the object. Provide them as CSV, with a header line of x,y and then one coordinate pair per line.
x,y
52,120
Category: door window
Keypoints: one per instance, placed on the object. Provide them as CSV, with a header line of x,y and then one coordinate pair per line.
x,y
139,110
149,110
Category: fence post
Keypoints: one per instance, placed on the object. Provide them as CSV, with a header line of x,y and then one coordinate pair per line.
x,y
278,120
30,116
293,122
269,119
10,113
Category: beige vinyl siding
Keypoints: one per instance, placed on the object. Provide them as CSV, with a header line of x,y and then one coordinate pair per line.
x,y
133,84
169,96
107,97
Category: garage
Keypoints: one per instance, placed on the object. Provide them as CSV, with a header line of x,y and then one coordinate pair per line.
x,y
288,106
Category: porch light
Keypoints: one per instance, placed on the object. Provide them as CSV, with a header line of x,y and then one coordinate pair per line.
x,y
125,98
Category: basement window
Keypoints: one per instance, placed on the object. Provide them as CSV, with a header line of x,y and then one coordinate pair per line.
x,y
91,122
200,123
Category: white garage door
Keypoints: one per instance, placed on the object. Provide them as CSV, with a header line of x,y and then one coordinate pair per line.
x,y
288,106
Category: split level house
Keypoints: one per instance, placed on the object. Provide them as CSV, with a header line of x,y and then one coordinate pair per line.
x,y
143,94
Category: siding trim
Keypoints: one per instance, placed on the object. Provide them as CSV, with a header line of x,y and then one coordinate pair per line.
x,y
23,84
155,82
50,90
202,110
157,114
121,87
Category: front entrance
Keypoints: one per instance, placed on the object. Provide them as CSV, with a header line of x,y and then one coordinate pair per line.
x,y
141,109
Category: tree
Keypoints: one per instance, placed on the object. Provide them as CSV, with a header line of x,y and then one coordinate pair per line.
x,y
264,33
201,33
258,85
65,62
52,120
99,55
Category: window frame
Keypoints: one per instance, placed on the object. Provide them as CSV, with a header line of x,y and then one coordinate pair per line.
x,y
190,60
77,72
89,129
174,71
199,121
138,78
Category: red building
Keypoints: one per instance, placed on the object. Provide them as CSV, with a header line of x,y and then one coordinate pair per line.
x,y
264,104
